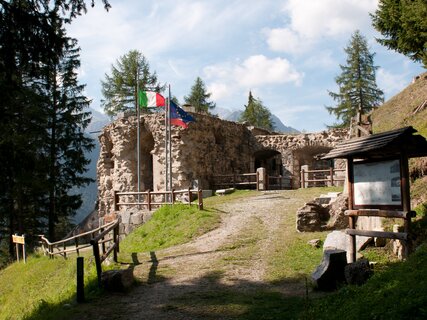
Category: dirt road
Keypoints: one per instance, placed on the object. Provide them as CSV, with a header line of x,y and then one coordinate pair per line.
x,y
231,258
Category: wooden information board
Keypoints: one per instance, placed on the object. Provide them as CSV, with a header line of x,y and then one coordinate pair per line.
x,y
377,184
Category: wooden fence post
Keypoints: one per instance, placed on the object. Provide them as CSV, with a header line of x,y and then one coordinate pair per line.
x,y
76,241
189,196
173,196
97,261
200,197
115,242
149,200
80,280
331,172
116,201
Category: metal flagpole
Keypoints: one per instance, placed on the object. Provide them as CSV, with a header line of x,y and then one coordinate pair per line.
x,y
138,165
170,143
166,147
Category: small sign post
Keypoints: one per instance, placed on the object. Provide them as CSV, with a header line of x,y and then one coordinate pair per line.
x,y
19,240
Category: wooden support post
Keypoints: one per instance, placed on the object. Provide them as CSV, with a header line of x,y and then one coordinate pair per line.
x,y
80,280
103,243
17,251
331,173
173,196
115,243
65,248
280,182
116,201
406,202
76,241
97,261
149,200
200,198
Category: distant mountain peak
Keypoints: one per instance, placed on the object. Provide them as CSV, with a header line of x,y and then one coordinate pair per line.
x,y
229,115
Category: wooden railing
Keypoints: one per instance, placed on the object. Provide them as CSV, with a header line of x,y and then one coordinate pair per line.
x,y
235,180
150,199
101,239
402,236
317,178
71,244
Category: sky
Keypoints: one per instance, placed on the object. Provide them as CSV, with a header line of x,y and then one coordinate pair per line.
x,y
287,52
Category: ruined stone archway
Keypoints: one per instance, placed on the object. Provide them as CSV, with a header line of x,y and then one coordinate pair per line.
x,y
269,159
146,160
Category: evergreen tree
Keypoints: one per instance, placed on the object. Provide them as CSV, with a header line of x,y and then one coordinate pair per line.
x,y
198,97
358,91
120,88
66,141
257,114
403,23
32,40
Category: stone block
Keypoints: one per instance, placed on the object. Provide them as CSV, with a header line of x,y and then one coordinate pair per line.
x,y
137,218
358,272
117,280
330,273
311,217
340,240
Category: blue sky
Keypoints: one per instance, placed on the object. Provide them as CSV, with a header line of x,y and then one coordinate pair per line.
x,y
287,52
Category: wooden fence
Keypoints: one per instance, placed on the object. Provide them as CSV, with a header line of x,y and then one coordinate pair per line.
x,y
109,234
402,236
150,199
320,178
71,244
236,180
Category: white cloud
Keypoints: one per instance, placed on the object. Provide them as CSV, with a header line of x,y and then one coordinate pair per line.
x,y
312,20
256,71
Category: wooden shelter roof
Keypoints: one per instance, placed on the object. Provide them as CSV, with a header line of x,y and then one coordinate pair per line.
x,y
382,145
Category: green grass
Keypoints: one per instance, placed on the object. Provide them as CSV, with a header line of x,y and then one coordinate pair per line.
x,y
397,293
42,288
45,288
169,225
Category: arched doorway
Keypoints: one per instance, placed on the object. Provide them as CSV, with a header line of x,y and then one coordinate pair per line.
x,y
269,159
146,160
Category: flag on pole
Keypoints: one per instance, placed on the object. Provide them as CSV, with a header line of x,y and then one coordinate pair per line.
x,y
148,99
178,116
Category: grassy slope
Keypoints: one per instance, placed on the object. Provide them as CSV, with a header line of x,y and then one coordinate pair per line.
x,y
398,111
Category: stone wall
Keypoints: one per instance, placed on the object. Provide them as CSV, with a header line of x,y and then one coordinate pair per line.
x,y
209,147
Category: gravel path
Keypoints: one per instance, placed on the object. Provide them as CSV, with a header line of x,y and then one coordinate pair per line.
x,y
203,264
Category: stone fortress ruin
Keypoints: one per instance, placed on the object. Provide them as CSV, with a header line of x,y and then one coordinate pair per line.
x,y
209,147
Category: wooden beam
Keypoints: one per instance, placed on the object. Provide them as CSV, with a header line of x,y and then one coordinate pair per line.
x,y
380,213
378,234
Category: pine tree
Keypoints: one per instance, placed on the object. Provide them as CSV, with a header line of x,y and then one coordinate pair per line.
x,y
120,88
66,143
257,114
198,97
31,40
403,25
358,91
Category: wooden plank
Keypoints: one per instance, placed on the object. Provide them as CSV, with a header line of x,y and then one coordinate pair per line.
x,y
378,234
380,213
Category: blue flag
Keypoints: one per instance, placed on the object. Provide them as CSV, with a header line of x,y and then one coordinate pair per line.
x,y
178,116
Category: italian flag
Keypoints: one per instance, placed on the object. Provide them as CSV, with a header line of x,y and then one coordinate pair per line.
x,y
149,99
